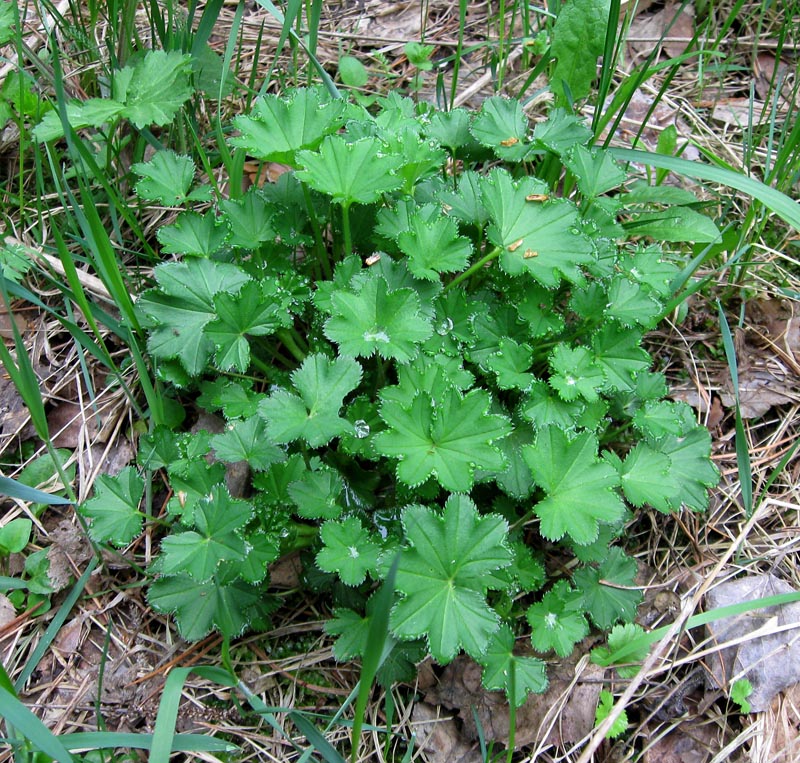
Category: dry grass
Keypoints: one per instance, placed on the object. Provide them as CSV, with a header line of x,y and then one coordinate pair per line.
x,y
112,655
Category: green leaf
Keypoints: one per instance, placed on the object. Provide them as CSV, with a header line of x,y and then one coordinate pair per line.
x,y
691,470
647,266
499,662
741,689
579,487
247,441
543,408
377,319
236,399
250,220
511,364
676,224
191,233
200,606
619,355
434,248
218,519
644,477
312,414
557,620
351,629
604,708
451,128
254,311
627,636
442,577
542,239
578,38
348,550
608,590
14,536
316,494
155,88
501,125
574,373
561,131
114,510
447,438
350,173
279,127
167,178
179,309
352,72
94,112
630,304
595,170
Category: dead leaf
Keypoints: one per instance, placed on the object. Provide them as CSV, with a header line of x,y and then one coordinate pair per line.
x,y
7,611
71,425
439,738
14,416
764,74
784,717
561,716
69,637
770,660
737,112
692,741
648,28
6,321
287,572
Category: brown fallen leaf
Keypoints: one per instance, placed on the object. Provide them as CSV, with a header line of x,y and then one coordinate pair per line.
x,y
561,716
692,741
7,611
767,656
783,717
440,738
648,28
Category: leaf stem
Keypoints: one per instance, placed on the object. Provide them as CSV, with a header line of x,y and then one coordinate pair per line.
x,y
319,242
289,342
493,255
348,243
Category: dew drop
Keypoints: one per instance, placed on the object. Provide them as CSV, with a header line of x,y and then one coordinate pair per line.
x,y
445,327
361,429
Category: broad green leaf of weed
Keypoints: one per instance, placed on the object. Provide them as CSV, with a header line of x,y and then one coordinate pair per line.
x,y
218,519
451,129
250,220
447,438
8,17
154,89
561,131
741,689
647,266
316,494
167,178
179,309
608,590
618,353
353,72
511,364
501,125
279,127
542,239
578,38
580,487
631,305
543,407
644,476
691,469
195,234
574,373
93,112
313,413
247,441
434,248
604,710
641,193
350,173
442,577
254,311
37,573
676,225
200,606
15,262
377,319
114,510
558,621
595,170
498,662
236,399
348,550
621,636
14,536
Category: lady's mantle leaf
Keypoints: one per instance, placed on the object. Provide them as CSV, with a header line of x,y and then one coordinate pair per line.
x,y
247,441
574,373
316,494
348,550
350,172
608,592
498,663
501,125
557,620
542,239
579,487
191,233
376,319
448,438
218,518
443,577
434,248
604,710
312,414
166,178
114,510
279,127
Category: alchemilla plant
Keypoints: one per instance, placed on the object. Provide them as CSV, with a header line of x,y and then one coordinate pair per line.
x,y
425,343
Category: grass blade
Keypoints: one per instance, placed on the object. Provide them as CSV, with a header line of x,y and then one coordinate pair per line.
x,y
14,489
787,209
103,740
28,725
